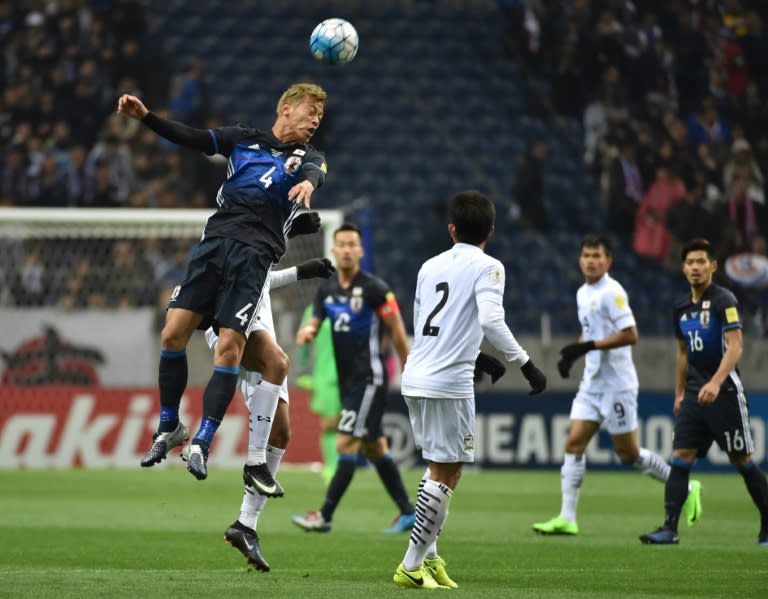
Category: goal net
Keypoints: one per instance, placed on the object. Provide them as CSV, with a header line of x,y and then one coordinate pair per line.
x,y
101,271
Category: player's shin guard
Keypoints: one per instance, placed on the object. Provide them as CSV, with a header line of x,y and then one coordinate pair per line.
x,y
571,477
675,491
431,513
652,464
172,380
757,486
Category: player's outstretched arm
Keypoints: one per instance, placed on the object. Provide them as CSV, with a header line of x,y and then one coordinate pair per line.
x,y
178,133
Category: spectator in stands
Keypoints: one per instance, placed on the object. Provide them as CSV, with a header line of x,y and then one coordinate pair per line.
x,y
15,176
742,163
30,286
689,219
130,282
529,188
652,238
743,210
189,94
109,177
707,126
625,188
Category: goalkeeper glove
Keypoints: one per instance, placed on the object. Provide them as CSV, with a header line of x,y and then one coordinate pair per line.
x,y
305,223
315,268
489,365
535,377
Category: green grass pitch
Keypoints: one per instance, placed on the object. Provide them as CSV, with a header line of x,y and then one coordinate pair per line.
x,y
159,533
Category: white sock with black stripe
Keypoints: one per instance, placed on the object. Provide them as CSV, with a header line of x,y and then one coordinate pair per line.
x,y
431,513
652,464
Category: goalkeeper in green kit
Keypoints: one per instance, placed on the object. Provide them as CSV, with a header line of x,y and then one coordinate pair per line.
x,y
324,384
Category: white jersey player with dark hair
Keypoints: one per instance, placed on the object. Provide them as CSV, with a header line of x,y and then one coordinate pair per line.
x,y
608,390
459,300
269,428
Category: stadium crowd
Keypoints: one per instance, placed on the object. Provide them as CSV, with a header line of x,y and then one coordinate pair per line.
x,y
672,96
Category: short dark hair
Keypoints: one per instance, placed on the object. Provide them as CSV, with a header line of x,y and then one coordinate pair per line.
x,y
348,227
697,245
473,215
592,240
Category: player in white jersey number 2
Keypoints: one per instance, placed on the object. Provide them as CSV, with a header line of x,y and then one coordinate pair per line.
x,y
459,299
608,389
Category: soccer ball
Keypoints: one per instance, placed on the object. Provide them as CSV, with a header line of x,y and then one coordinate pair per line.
x,y
334,41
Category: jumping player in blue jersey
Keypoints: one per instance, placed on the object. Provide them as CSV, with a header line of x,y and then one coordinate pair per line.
x,y
357,303
271,176
709,397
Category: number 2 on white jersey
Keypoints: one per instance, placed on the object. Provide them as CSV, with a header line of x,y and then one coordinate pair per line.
x,y
429,330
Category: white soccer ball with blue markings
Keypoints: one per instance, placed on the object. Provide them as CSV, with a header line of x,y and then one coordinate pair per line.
x,y
334,41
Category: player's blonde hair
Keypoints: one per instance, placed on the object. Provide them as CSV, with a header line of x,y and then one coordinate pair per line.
x,y
297,92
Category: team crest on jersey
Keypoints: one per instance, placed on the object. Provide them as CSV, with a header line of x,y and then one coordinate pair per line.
x,y
469,442
356,303
704,318
292,164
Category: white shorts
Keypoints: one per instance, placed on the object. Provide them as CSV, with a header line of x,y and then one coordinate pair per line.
x,y
444,429
617,410
263,320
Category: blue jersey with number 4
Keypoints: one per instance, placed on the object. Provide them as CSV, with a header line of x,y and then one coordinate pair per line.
x,y
701,325
253,203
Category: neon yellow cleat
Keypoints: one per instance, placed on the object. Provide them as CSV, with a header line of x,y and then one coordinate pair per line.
x,y
436,568
556,526
692,505
420,579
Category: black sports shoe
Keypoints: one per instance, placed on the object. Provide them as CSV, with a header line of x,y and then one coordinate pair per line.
x,y
762,538
660,536
162,443
246,541
196,457
260,479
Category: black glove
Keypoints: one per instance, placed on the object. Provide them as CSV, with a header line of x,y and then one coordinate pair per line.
x,y
574,351
315,268
305,223
570,353
489,365
536,378
564,367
